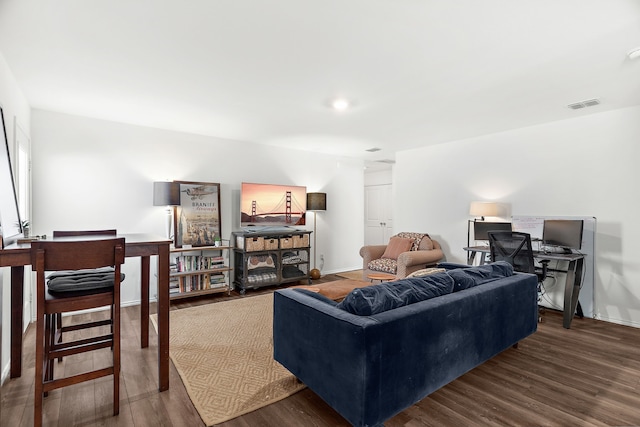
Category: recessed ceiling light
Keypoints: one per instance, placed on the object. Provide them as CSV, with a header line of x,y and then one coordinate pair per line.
x,y
340,104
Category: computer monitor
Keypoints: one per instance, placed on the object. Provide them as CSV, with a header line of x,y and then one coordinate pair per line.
x,y
563,233
480,228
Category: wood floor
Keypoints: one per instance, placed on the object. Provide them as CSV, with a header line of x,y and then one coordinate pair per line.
x,y
588,375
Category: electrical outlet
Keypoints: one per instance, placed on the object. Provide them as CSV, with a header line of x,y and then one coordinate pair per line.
x,y
322,257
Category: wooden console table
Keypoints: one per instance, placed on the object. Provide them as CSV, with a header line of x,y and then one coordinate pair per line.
x,y
140,245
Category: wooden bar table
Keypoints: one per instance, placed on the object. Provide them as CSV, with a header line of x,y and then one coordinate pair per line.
x,y
140,245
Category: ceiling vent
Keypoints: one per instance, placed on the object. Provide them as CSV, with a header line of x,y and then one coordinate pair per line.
x,y
584,104
373,150
387,161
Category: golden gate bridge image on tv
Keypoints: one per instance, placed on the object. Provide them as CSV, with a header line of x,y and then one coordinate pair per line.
x,y
288,210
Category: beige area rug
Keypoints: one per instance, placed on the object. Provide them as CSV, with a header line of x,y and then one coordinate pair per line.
x,y
353,275
224,354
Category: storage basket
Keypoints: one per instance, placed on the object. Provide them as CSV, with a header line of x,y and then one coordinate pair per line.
x,y
270,243
301,241
254,244
286,242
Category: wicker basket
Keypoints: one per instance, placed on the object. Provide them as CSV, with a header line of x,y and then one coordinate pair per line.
x,y
254,244
301,241
286,242
270,243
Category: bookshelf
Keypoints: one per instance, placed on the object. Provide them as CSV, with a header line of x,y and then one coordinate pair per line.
x,y
199,271
270,258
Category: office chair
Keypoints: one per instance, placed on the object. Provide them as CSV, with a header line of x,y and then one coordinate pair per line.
x,y
515,248
65,256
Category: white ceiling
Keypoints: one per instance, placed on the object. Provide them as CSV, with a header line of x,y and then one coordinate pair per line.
x,y
418,71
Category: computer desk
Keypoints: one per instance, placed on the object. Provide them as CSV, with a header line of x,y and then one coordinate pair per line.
x,y
573,281
17,256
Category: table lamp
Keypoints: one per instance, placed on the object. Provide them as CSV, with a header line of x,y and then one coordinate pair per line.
x,y
315,202
480,209
166,194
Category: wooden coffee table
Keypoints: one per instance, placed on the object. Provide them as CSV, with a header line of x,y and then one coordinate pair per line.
x,y
383,277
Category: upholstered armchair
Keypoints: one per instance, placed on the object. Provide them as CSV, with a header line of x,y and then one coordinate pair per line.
x,y
404,254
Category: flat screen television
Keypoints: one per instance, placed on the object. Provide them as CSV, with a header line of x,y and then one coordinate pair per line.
x,y
269,205
563,233
10,224
480,228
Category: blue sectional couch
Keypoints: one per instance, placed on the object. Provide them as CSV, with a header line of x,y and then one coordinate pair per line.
x,y
411,336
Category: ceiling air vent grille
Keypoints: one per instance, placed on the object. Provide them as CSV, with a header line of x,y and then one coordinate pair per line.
x,y
584,104
373,150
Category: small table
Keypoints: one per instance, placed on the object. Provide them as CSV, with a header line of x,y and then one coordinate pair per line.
x,y
382,277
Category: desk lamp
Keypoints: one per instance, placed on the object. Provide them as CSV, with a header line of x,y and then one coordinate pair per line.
x,y
166,194
315,202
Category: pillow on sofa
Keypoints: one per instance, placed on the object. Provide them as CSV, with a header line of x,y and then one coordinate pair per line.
x,y
396,246
425,272
389,295
466,278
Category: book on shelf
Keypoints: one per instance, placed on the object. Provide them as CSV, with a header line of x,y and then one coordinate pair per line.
x,y
189,263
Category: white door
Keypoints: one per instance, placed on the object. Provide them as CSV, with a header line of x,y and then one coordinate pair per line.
x,y
377,214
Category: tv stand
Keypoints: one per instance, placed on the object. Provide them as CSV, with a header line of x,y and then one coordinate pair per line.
x,y
270,257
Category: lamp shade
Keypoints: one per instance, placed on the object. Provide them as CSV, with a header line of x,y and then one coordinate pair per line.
x,y
166,193
484,209
316,201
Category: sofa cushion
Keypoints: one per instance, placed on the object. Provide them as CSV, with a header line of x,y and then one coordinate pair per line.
x,y
420,240
396,246
386,265
466,278
389,295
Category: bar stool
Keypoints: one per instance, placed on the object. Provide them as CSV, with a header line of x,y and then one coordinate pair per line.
x,y
80,293
57,328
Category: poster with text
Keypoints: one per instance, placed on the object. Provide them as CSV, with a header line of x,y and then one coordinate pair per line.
x,y
197,219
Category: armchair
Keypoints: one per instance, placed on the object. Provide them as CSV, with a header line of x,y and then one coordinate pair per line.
x,y
405,253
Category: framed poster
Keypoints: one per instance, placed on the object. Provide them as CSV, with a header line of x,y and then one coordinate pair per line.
x,y
197,218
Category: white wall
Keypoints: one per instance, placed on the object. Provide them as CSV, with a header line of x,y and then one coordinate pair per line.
x,y
586,166
90,174
16,111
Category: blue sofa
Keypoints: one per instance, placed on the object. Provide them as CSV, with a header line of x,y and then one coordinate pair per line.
x,y
405,343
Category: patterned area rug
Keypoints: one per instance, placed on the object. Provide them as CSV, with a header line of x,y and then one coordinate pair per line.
x,y
224,354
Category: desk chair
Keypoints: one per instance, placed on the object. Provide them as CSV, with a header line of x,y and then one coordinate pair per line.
x,y
55,256
57,328
515,248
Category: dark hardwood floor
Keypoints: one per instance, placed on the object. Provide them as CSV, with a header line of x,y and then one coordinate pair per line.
x,y
588,375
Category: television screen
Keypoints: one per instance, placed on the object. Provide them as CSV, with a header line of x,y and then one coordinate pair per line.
x,y
565,233
269,205
480,228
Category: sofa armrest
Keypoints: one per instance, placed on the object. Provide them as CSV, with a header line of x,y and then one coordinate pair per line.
x,y
371,252
422,258
324,346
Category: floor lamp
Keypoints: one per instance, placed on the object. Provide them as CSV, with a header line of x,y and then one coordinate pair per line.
x,y
315,202
166,194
